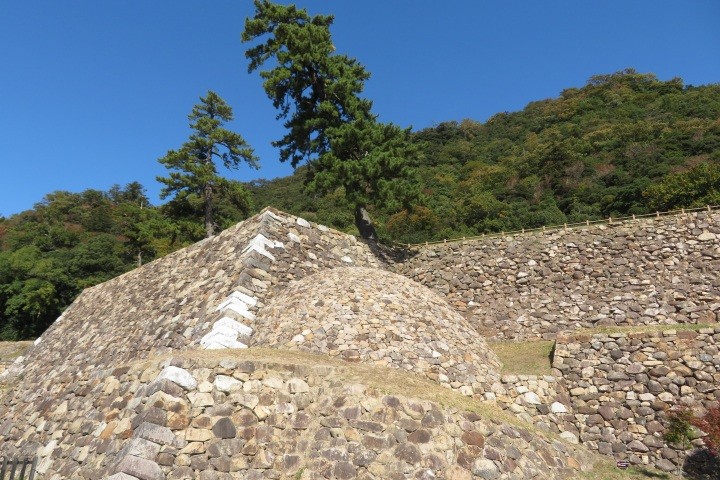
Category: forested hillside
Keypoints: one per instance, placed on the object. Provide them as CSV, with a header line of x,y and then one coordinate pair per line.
x,y
70,241
625,143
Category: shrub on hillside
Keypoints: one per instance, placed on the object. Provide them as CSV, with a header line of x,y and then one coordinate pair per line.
x,y
680,432
710,424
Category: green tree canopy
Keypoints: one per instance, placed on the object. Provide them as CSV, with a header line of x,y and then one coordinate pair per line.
x,y
193,170
71,241
329,125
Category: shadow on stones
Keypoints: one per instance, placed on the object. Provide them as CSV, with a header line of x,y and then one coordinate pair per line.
x,y
648,474
702,465
389,255
551,354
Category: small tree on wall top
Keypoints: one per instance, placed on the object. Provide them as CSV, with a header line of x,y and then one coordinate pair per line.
x,y
193,169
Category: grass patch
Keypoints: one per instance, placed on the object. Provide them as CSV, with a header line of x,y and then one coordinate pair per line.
x,y
679,327
609,471
524,358
379,378
11,350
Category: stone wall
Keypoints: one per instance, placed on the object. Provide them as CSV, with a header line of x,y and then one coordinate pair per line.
x,y
621,386
372,316
657,271
175,302
203,296
541,400
228,416
77,401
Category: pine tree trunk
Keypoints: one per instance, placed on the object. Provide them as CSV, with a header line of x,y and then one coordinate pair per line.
x,y
209,227
364,223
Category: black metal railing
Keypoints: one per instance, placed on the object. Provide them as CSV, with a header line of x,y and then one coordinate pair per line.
x,y
21,468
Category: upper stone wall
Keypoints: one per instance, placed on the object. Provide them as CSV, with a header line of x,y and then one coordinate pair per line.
x,y
171,303
368,315
657,271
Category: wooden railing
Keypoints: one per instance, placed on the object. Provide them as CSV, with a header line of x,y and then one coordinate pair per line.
x,y
564,226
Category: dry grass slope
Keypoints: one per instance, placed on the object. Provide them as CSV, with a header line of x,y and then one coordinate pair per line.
x,y
524,358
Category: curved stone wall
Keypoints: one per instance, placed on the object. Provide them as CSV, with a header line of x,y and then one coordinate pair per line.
x,y
368,315
657,271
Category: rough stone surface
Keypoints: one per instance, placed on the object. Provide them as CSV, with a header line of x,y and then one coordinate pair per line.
x,y
371,316
88,397
654,372
68,386
141,468
653,271
178,376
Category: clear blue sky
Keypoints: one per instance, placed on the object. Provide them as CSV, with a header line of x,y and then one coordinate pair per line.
x,y
92,93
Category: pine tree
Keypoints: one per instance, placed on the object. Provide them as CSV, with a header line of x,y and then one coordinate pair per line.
x,y
330,126
193,169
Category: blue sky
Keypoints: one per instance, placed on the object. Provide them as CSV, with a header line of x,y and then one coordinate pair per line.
x,y
92,93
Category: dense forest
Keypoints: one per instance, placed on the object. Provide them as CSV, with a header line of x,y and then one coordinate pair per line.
x,y
70,241
625,143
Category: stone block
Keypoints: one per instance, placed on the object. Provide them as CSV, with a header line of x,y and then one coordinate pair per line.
x,y
178,376
140,468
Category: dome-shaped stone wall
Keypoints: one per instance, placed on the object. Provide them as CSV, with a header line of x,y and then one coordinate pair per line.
x,y
374,316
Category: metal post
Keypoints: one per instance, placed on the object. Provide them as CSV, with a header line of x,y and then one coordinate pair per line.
x,y
32,469
12,469
25,463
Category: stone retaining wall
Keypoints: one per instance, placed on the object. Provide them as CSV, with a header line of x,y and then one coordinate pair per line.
x,y
541,400
233,418
372,316
621,386
657,271
203,296
88,415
